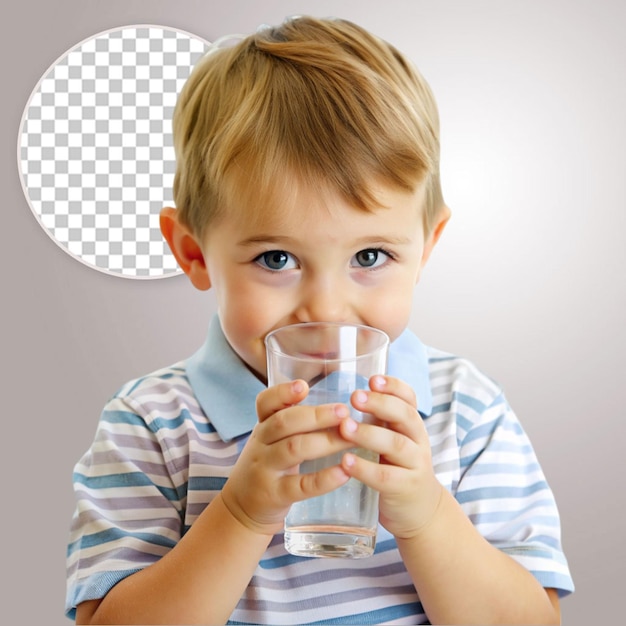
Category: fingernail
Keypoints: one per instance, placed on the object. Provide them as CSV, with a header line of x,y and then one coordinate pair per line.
x,y
351,425
379,381
341,474
361,397
341,410
297,387
349,460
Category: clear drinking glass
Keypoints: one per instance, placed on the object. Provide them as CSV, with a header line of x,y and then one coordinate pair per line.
x,y
334,359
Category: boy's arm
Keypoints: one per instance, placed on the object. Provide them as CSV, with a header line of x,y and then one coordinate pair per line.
x,y
198,581
202,578
461,578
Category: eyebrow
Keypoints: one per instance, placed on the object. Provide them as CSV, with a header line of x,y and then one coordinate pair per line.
x,y
398,240
365,240
251,241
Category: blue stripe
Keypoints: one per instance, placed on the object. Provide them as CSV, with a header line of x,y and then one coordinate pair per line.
x,y
443,359
138,382
533,550
548,540
173,373
563,584
113,534
280,561
503,468
484,431
507,516
289,559
468,401
123,417
471,403
497,446
206,483
122,481
500,493
371,617
380,616
385,546
158,423
441,408
463,425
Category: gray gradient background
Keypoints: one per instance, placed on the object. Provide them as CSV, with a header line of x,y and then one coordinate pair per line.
x,y
527,281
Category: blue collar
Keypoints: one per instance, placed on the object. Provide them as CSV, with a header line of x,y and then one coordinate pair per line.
x,y
226,389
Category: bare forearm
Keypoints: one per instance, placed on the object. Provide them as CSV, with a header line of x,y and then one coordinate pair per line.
x,y
199,581
462,579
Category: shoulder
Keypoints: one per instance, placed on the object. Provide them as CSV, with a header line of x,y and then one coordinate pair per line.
x,y
154,399
463,393
455,374
159,382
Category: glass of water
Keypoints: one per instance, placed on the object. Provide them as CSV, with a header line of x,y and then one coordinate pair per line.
x,y
335,360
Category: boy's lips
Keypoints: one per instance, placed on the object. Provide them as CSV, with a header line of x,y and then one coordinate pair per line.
x,y
321,356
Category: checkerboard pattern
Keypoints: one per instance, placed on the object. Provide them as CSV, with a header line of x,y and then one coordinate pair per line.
x,y
95,147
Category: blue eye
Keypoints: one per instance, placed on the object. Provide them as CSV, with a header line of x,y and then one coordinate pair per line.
x,y
370,258
276,261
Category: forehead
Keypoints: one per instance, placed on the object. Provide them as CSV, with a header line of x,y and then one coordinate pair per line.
x,y
311,226
290,203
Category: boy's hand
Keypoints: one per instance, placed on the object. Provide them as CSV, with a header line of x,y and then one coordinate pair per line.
x,y
409,489
265,481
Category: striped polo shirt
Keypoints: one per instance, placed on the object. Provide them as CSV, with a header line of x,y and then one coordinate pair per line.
x,y
166,443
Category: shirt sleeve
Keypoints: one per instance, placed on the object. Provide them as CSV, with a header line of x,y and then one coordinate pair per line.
x,y
504,492
130,501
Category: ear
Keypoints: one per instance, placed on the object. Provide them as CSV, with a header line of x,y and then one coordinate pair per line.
x,y
185,248
442,219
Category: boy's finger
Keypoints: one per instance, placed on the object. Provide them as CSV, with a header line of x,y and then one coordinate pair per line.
x,y
395,412
299,420
322,445
302,486
395,387
396,448
382,477
279,397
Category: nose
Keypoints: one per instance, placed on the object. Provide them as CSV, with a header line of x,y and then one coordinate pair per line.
x,y
324,301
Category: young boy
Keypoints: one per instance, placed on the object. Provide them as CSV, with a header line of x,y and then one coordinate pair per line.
x,y
308,189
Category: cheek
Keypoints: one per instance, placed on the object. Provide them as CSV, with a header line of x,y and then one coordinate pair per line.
x,y
246,318
392,312
243,332
243,316
233,293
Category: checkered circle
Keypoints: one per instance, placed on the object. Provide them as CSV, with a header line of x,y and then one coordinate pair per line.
x,y
95,148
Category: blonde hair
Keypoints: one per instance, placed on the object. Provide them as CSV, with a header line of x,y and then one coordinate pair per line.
x,y
318,101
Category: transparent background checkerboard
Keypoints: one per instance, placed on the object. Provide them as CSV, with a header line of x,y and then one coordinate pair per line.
x,y
95,147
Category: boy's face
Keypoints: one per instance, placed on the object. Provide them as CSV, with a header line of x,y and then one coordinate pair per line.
x,y
317,259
